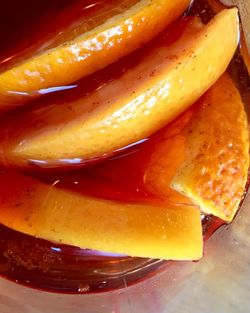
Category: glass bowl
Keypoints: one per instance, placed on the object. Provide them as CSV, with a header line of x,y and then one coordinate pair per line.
x,y
218,283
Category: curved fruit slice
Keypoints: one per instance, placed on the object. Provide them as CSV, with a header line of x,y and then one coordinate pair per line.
x,y
143,230
148,96
93,50
210,155
165,159
215,170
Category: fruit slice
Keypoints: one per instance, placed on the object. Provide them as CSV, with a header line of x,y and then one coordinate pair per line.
x,y
217,7
165,159
214,173
93,50
148,96
143,230
210,155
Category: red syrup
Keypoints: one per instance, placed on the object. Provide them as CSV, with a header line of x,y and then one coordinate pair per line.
x,y
60,268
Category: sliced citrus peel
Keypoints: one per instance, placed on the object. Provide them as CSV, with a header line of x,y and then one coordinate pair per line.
x,y
90,51
215,170
210,155
142,230
148,96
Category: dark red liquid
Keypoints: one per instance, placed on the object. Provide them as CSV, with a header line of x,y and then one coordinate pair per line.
x,y
56,267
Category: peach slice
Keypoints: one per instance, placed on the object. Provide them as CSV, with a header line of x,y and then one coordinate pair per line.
x,y
148,96
92,50
142,230
207,160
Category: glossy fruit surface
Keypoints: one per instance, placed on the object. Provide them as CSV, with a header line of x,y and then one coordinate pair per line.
x,y
215,168
144,230
148,96
91,45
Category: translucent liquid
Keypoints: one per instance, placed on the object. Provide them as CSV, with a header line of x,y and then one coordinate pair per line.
x,y
46,265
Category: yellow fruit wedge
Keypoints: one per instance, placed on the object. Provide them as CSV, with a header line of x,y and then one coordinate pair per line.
x,y
148,96
92,50
142,230
214,171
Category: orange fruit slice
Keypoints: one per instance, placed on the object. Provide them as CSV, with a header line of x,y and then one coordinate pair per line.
x,y
206,161
142,230
215,170
92,50
148,96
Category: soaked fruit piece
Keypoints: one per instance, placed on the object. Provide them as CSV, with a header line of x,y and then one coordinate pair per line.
x,y
165,158
92,50
31,207
213,173
148,96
